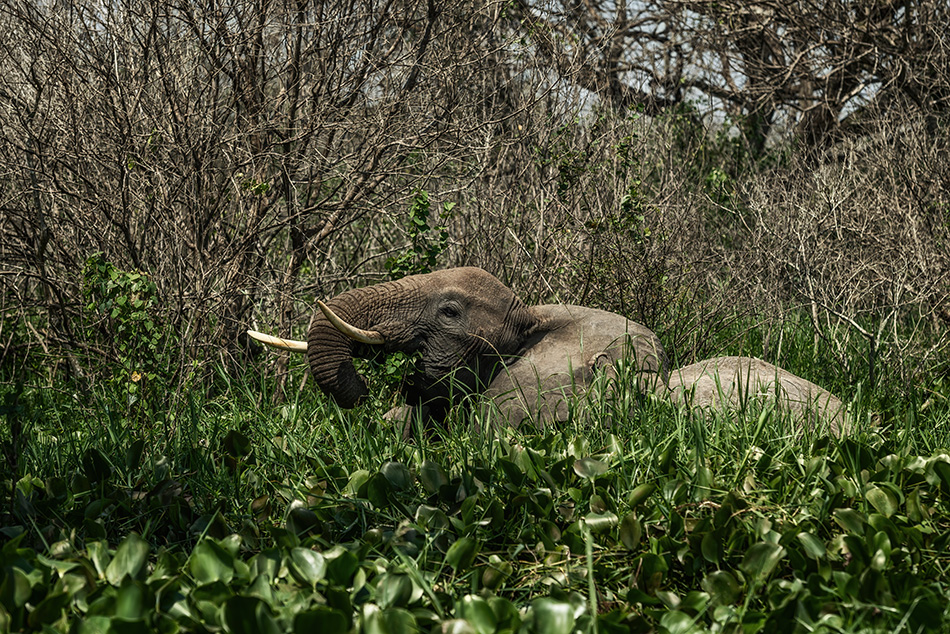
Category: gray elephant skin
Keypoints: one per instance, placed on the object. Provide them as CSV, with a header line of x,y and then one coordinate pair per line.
x,y
748,383
474,336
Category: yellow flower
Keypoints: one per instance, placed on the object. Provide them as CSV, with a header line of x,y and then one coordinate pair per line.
x,y
136,377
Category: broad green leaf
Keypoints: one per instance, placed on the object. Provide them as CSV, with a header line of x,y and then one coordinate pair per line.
x,y
397,475
883,500
132,601
393,590
357,479
676,622
589,468
850,520
341,566
761,559
461,554
129,560
321,619
722,587
249,615
15,588
630,531
512,471
209,562
307,566
433,476
48,610
601,522
709,546
550,616
478,612
813,546
641,493
496,572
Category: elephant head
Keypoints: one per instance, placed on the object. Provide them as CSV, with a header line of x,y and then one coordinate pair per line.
x,y
460,321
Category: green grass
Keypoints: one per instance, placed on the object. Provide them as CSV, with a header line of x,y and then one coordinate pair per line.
x,y
236,513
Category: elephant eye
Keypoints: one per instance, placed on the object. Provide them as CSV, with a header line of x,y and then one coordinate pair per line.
x,y
449,311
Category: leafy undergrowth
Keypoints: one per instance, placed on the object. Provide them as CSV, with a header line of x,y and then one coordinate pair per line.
x,y
277,519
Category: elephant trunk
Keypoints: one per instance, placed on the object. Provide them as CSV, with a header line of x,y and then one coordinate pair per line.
x,y
330,352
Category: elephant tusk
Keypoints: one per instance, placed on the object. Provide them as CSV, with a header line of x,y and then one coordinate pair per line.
x,y
370,337
277,342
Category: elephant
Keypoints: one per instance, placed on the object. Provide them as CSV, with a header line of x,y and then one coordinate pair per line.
x,y
472,335
529,363
740,381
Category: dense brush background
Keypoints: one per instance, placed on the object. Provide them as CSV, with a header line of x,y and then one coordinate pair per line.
x,y
768,178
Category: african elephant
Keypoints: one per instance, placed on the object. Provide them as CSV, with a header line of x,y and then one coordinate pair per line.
x,y
472,335
742,381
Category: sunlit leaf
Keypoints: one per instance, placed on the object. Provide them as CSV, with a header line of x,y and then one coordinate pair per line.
x,y
883,500
129,560
761,558
461,554
630,531
397,475
307,566
813,546
850,520
479,613
550,616
209,562
589,468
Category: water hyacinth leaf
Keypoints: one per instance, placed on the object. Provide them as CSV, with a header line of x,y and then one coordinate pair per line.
x,y
15,588
850,520
601,522
496,572
249,615
461,554
813,546
722,586
98,553
478,613
676,622
397,475
589,468
48,610
630,531
356,481
512,471
941,469
393,590
209,562
883,500
393,621
321,619
129,560
761,558
432,476
641,493
377,490
709,546
133,455
132,600
341,566
550,616
307,566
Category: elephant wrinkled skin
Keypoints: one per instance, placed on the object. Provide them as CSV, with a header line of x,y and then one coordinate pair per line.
x,y
560,362
748,382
